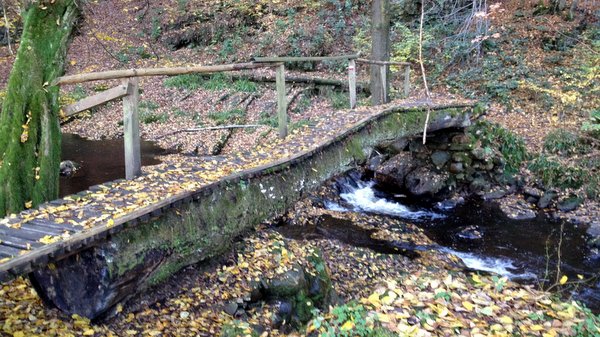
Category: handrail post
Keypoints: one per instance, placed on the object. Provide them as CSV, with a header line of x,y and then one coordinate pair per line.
x,y
352,83
383,71
131,126
281,101
407,81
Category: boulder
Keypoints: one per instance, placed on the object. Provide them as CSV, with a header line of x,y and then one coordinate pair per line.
x,y
569,203
440,158
469,233
288,284
517,209
456,168
547,199
376,161
425,182
532,192
395,170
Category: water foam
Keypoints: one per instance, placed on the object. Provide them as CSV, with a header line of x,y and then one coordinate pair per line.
x,y
501,266
363,198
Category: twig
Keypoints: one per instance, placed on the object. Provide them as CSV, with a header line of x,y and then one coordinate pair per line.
x,y
423,73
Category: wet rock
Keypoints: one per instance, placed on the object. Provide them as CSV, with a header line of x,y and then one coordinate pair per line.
x,y
376,162
450,203
569,204
494,194
531,200
440,158
282,312
479,184
68,168
288,284
594,233
462,157
532,192
456,168
423,181
395,147
517,209
395,170
230,308
547,199
461,139
469,233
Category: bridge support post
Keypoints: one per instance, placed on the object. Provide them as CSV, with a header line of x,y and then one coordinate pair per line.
x,y
131,126
352,83
281,101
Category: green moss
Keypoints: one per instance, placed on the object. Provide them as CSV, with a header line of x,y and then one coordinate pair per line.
x,y
354,147
30,155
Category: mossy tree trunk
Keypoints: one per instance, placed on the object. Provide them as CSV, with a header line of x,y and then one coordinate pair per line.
x,y
29,125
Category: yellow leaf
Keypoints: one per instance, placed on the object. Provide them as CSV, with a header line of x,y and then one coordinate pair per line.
x,y
506,320
110,223
468,305
374,300
347,326
88,332
536,327
18,334
383,318
476,278
563,279
29,204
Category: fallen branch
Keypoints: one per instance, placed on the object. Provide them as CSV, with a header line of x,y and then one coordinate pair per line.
x,y
210,128
423,73
343,85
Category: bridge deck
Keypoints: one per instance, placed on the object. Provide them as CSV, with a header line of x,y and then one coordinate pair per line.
x,y
61,227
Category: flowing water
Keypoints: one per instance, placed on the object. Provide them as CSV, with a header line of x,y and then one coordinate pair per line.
x,y
100,160
485,239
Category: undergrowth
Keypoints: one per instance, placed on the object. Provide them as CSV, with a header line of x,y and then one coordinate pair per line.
x,y
214,82
569,160
347,320
493,136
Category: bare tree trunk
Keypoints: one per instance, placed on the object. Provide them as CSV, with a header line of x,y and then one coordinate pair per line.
x,y
7,27
29,125
380,50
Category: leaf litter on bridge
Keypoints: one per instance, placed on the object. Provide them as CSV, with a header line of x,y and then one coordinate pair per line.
x,y
104,204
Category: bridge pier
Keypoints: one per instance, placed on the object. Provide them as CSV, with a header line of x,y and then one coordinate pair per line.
x,y
92,282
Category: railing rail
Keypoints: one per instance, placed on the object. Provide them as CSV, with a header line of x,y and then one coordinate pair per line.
x,y
128,90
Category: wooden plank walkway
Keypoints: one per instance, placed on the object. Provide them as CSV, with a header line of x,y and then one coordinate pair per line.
x,y
62,227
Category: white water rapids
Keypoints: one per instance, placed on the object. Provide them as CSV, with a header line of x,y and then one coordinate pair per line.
x,y
362,198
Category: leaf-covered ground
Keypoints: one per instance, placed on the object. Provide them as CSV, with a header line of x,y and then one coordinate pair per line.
x,y
426,296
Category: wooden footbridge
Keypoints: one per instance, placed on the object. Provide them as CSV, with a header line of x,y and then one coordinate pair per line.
x,y
121,236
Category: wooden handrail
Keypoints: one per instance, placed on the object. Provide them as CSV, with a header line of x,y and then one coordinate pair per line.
x,y
304,59
128,73
381,63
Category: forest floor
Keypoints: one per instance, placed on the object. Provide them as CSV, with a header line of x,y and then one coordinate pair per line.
x,y
429,295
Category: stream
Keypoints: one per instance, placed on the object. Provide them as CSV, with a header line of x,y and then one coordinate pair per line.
x,y
475,231
478,233
100,161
